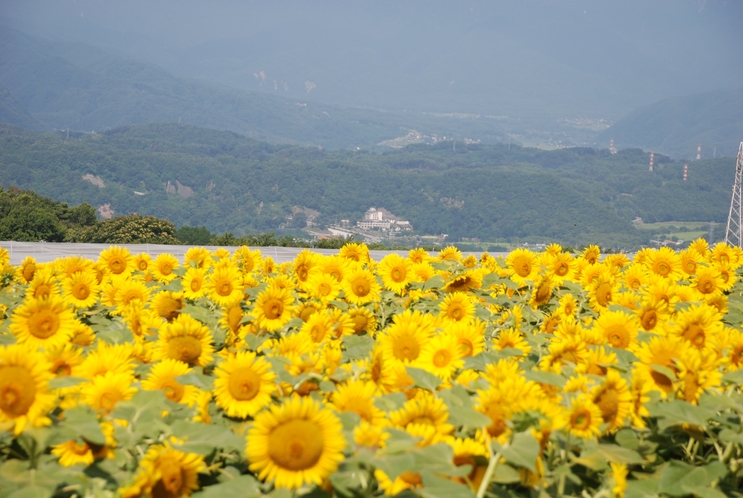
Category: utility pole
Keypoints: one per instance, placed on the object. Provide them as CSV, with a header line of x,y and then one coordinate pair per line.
x,y
734,233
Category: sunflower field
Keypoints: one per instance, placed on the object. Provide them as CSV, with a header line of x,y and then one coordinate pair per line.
x,y
432,375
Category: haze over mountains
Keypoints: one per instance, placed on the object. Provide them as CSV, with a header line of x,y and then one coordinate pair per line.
x,y
526,69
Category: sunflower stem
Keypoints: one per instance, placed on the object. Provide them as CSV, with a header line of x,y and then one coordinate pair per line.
x,y
488,474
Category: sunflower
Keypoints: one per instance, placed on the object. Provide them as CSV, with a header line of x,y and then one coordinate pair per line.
x,y
522,265
541,292
198,257
651,314
118,260
727,274
166,472
597,362
614,399
82,335
246,259
186,340
560,266
358,396
142,262
600,292
591,254
81,289
167,305
568,305
363,321
664,352
697,325
361,287
585,418
418,255
561,352
335,266
225,286
396,272
665,263
618,328
370,436
464,282
73,264
244,384
723,253
423,271
619,478
426,410
273,309
470,337
304,264
323,287
442,356
129,291
457,307
43,323
163,375
634,277
295,443
24,390
43,284
511,338
590,273
698,372
194,283
73,452
409,333
106,358
163,266
104,391
26,270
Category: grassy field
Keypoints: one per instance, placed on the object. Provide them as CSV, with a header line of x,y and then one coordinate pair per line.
x,y
684,230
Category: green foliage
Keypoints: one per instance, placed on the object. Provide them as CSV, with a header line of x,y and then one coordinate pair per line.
x,y
233,185
130,229
27,216
196,236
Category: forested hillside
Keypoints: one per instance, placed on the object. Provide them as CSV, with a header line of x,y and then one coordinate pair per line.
x,y
228,182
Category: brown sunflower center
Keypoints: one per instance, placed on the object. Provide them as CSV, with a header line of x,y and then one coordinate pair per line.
x,y
142,265
171,483
608,402
17,391
361,287
43,324
441,358
28,272
81,291
225,288
581,419
116,265
649,319
465,346
662,268
273,308
544,292
296,444
174,391
618,336
694,333
398,274
244,384
184,348
406,348
456,312
169,308
706,286
562,270
195,285
522,268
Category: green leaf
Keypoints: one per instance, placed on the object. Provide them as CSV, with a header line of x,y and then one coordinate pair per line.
x,y
254,341
522,451
628,439
461,413
490,279
203,439
244,486
664,371
617,454
394,465
62,382
734,377
84,423
341,305
678,477
31,492
545,378
679,412
642,488
505,474
728,436
390,402
198,379
424,379
435,282
438,487
704,492
438,458
357,347
593,460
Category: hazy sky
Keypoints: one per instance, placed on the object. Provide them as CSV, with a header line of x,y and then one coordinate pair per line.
x,y
438,55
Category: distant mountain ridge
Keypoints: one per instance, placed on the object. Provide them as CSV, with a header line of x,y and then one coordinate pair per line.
x,y
677,125
59,85
229,182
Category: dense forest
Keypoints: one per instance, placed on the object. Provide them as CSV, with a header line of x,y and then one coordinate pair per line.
x,y
229,183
